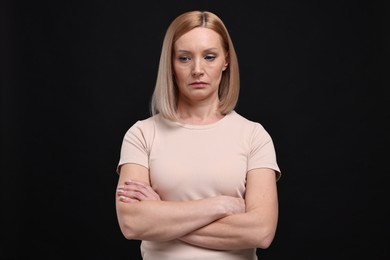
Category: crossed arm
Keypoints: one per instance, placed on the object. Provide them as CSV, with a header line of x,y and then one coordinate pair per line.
x,y
222,222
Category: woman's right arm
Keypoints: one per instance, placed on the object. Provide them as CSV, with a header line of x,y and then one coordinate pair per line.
x,y
166,220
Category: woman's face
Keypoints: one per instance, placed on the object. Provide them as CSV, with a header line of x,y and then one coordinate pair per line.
x,y
198,62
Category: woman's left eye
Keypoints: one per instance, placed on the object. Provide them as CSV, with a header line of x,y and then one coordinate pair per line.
x,y
210,57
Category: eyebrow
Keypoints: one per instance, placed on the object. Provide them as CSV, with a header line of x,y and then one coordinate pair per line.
x,y
207,50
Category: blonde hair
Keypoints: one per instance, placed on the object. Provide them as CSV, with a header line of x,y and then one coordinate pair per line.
x,y
164,98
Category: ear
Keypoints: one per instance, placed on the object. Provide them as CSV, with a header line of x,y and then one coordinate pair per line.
x,y
226,62
225,66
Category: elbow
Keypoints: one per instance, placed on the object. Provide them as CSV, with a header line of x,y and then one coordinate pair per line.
x,y
128,226
132,230
128,232
263,238
265,242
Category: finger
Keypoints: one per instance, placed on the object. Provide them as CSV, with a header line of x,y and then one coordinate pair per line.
x,y
120,189
141,187
135,192
127,199
149,192
136,182
129,192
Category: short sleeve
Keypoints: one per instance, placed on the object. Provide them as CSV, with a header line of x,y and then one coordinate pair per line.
x,y
135,146
262,151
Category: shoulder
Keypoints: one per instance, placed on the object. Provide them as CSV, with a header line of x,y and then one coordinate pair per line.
x,y
149,126
254,130
145,123
141,126
238,119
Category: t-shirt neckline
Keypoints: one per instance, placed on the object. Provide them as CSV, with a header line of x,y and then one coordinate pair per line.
x,y
206,126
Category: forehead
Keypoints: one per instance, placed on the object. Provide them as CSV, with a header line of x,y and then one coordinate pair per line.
x,y
198,38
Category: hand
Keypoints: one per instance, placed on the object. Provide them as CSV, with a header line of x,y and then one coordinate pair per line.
x,y
135,191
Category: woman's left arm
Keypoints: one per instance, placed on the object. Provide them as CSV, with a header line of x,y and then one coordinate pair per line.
x,y
253,229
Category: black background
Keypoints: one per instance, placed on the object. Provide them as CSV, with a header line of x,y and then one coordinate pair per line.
x,y
76,75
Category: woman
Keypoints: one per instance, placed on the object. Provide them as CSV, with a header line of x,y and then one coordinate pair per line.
x,y
196,179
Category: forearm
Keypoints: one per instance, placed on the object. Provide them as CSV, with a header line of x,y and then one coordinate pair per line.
x,y
234,232
253,229
166,220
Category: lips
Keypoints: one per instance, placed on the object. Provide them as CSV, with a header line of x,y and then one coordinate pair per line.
x,y
199,84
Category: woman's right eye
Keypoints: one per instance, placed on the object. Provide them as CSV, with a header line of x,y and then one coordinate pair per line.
x,y
184,58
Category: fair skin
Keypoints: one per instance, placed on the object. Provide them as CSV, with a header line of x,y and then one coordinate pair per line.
x,y
198,63
221,222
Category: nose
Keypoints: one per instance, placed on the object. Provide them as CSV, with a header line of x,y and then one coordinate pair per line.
x,y
197,68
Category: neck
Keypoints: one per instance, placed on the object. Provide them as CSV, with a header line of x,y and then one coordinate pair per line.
x,y
199,115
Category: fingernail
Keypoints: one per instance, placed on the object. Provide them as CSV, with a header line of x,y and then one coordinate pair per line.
x,y
128,182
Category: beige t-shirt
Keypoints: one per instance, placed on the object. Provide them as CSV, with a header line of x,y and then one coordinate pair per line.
x,y
190,162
